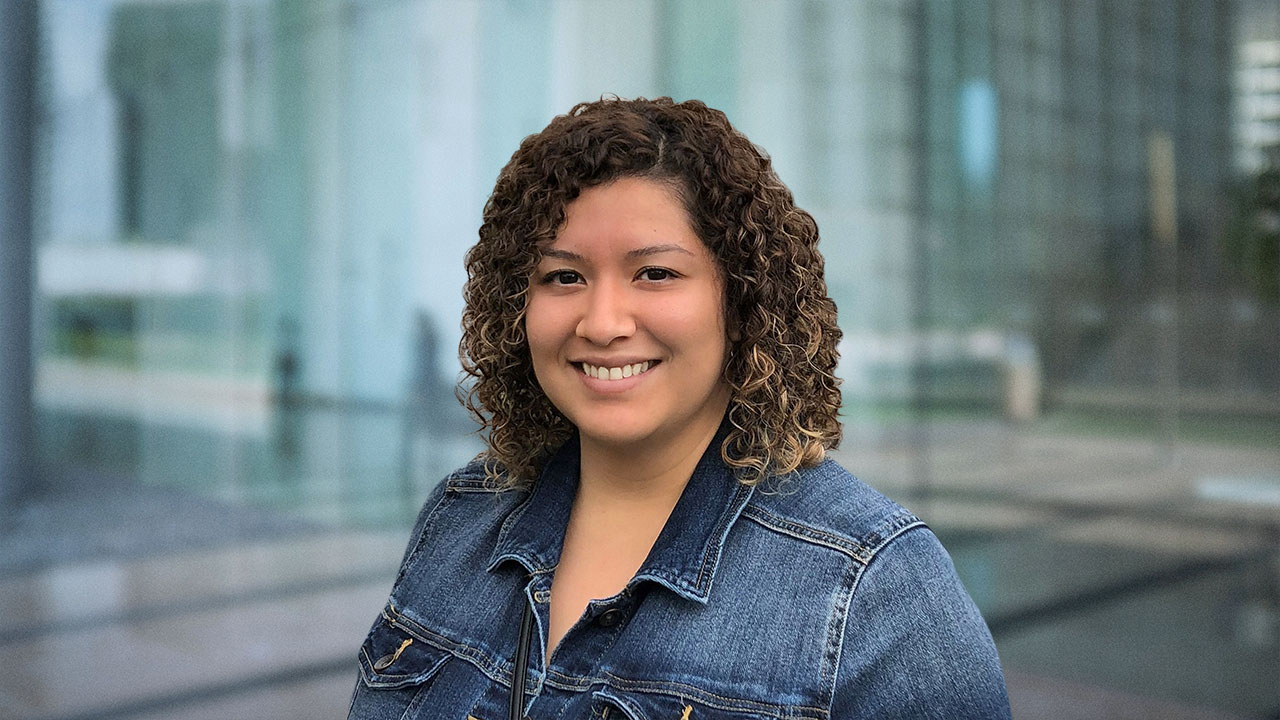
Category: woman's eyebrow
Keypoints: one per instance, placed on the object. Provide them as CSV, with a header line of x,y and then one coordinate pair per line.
x,y
639,252
560,254
648,250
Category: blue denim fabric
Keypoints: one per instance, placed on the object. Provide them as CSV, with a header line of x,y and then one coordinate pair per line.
x,y
815,599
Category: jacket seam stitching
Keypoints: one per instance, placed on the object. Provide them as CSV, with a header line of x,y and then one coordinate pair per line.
x,y
861,569
722,702
836,629
427,523
882,532
713,551
481,660
801,531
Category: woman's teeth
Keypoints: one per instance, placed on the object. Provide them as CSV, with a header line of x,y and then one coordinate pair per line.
x,y
616,373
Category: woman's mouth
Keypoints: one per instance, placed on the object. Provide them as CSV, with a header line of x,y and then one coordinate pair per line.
x,y
616,373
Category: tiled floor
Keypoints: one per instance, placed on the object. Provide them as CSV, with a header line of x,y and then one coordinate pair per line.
x,y
1113,587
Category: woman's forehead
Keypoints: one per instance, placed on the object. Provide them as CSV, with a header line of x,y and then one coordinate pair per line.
x,y
631,216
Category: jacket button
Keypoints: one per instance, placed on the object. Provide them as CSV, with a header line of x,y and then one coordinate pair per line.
x,y
610,618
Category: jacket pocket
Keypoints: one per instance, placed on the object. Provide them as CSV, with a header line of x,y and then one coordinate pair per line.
x,y
391,658
396,670
614,704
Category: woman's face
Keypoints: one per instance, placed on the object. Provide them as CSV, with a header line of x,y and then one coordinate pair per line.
x,y
625,319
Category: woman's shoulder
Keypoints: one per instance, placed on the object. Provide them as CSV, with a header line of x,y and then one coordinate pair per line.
x,y
907,608
827,505
469,493
479,475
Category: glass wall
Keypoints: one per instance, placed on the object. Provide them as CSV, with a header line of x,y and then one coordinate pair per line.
x,y
1052,229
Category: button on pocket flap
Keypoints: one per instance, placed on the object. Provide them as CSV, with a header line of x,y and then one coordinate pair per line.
x,y
627,705
391,658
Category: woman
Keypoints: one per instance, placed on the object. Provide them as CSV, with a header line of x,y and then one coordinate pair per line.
x,y
655,529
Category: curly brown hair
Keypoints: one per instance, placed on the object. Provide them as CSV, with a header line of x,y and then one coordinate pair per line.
x,y
785,395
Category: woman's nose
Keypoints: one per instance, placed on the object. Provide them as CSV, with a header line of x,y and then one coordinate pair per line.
x,y
607,316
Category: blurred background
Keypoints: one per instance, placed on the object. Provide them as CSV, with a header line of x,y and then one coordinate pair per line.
x,y
232,237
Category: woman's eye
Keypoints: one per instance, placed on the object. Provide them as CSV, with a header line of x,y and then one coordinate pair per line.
x,y
656,274
563,277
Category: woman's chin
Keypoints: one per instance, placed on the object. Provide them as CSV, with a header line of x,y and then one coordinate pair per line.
x,y
615,436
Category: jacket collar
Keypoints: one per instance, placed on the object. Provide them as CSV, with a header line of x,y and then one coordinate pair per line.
x,y
685,555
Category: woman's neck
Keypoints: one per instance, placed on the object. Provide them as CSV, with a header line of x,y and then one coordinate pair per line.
x,y
652,474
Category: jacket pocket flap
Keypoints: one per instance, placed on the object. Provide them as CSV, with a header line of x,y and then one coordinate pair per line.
x,y
661,706
392,658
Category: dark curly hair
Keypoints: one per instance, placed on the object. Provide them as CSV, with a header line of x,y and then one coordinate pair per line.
x,y
785,395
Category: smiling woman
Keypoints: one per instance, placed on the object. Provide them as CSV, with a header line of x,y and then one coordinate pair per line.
x,y
655,530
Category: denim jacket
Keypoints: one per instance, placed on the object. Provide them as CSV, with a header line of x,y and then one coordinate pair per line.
x,y
815,599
